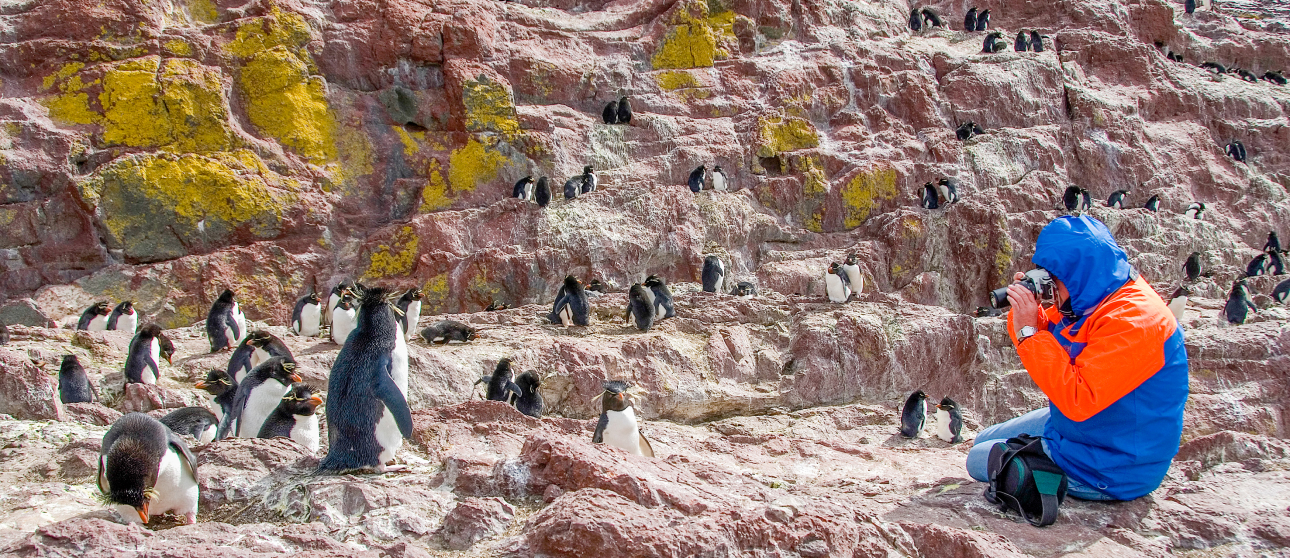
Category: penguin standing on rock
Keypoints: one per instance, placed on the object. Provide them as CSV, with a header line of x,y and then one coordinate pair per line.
x,y
1021,43
1256,266
931,18
969,20
260,393
1086,200
73,383
639,308
198,422
589,180
572,187
698,177
523,189
983,21
851,266
916,20
306,317
1116,199
624,111
617,425
993,42
1238,304
529,401
930,200
368,415
499,384
267,346
95,317
1178,302
610,114
239,364
1282,291
720,182
123,318
949,421
1037,41
448,330
913,415
1192,267
141,365
222,391
1153,204
571,307
949,189
1071,198
837,284
343,318
145,469
410,311
333,300
1236,150
225,324
1273,244
1189,6
1195,211
542,193
1275,265
663,307
714,275
295,417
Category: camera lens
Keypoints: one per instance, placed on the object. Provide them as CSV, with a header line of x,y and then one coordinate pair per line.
x,y
999,298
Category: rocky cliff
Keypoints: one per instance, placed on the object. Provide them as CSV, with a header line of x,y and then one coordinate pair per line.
x,y
163,151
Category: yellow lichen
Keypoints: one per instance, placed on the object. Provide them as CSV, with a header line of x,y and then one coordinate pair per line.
x,y
815,182
435,195
68,70
1003,259
480,288
410,141
71,106
489,107
862,193
435,292
285,29
285,102
399,257
179,103
473,164
781,134
203,11
694,42
178,48
673,80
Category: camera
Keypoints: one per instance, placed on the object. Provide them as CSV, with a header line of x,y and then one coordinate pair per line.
x,y
1037,280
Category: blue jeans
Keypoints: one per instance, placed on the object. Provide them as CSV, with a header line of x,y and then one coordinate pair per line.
x,y
1032,423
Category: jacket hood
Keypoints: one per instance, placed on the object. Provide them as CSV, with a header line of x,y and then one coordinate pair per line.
x,y
1081,252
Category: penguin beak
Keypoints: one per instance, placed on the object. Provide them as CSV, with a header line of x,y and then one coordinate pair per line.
x,y
201,385
169,361
315,401
296,377
143,511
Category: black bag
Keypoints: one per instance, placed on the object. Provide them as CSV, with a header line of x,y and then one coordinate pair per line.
x,y
1023,478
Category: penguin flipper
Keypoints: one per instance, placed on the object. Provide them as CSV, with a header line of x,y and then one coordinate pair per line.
x,y
646,449
185,455
388,392
601,425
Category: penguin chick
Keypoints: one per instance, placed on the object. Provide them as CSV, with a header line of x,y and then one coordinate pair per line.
x,y
618,426
295,417
198,422
145,469
529,401
449,330
949,421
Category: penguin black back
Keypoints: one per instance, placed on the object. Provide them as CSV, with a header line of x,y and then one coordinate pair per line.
x,y
697,178
571,303
530,401
449,330
930,198
220,320
624,111
1021,43
132,451
276,369
360,388
610,114
520,186
639,308
73,383
1275,265
100,308
1036,41
931,18
1192,266
1256,266
500,386
663,307
983,20
1189,6
140,357
969,20
991,43
573,187
300,400
913,415
1273,244
714,274
542,194
1071,198
1153,204
1282,291
190,421
1238,305
916,19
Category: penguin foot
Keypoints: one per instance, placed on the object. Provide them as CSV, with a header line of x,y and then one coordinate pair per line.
x,y
391,468
191,518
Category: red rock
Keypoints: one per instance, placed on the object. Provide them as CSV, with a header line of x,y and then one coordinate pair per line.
x,y
143,398
474,519
26,392
90,413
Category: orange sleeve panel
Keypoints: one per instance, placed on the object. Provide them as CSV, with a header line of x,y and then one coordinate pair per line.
x,y
1124,342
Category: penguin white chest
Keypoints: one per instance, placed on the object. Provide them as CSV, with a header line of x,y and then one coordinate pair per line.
x,y
310,320
943,426
240,319
263,400
853,273
622,431
838,292
413,315
649,295
342,323
258,356
154,352
305,432
399,366
718,181
566,315
1178,306
98,323
176,488
208,435
127,322
216,408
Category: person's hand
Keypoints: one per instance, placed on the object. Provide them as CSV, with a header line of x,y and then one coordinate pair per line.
x,y
1025,305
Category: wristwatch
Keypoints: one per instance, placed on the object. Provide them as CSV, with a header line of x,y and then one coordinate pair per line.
x,y
1025,333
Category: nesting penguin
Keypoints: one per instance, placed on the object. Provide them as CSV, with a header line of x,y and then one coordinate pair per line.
x,y
966,130
624,111
496,305
343,318
523,188
698,177
123,318
1192,266
499,385
571,305
913,415
222,392
663,307
1116,199
1153,203
1277,77
295,417
1195,211
720,182
141,363
949,421
542,192
368,415
617,425
837,284
410,311
930,199
1238,304
258,395
1281,292
851,266
448,330
744,289
145,469
73,383
225,324
529,401
198,422
1178,302
1255,267
95,317
306,316
714,275
640,309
